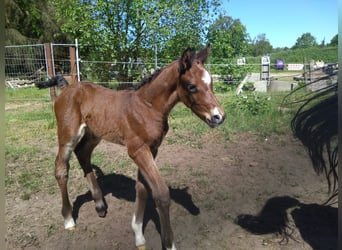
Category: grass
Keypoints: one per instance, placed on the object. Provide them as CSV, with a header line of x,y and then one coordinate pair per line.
x,y
255,113
30,143
31,93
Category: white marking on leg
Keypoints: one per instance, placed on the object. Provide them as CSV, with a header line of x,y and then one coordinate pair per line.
x,y
70,146
173,247
137,228
69,223
206,77
80,132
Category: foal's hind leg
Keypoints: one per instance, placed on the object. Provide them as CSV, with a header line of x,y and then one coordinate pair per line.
x,y
67,142
83,153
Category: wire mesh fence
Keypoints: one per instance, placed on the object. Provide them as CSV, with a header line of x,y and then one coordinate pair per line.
x,y
24,64
27,64
30,63
105,72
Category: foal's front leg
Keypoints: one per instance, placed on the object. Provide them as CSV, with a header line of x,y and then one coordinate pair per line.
x,y
138,215
160,192
83,153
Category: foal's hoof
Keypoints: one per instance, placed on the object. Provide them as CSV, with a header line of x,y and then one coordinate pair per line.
x,y
101,211
142,247
70,225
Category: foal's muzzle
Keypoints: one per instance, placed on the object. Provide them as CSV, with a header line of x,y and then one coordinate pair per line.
x,y
216,120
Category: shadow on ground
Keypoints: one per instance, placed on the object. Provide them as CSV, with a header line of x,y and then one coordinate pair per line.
x,y
123,187
317,224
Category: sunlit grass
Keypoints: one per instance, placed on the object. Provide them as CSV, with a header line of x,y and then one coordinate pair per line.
x,y
263,117
27,93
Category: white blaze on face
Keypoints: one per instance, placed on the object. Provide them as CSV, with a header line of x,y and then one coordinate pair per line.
x,y
215,112
206,77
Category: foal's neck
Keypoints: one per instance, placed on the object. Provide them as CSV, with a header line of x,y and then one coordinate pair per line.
x,y
161,94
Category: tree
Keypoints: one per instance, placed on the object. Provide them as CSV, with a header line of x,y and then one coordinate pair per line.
x,y
127,30
305,41
188,27
228,37
334,41
31,21
261,46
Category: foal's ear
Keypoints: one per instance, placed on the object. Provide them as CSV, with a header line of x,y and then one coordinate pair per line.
x,y
185,61
203,54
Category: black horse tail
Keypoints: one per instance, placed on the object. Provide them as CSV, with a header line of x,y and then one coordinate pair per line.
x,y
316,125
57,80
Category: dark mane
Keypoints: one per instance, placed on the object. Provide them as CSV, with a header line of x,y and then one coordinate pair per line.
x,y
148,79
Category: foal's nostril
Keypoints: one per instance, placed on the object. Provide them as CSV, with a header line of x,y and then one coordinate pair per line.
x,y
217,118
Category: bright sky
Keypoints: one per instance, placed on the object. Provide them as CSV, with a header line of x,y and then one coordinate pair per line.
x,y
283,21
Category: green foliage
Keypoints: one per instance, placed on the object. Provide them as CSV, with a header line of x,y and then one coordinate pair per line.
x,y
326,54
126,31
260,46
228,38
252,103
221,87
249,86
230,73
31,21
305,41
258,114
334,41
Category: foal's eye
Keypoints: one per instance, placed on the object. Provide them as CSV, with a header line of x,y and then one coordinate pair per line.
x,y
191,88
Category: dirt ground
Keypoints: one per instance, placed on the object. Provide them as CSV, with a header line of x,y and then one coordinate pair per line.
x,y
245,193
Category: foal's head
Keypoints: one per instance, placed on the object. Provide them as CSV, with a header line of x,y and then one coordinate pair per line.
x,y
195,88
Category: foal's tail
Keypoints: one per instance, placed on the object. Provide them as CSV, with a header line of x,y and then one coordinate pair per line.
x,y
57,80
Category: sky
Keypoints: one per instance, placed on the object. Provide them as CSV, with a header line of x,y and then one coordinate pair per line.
x,y
284,21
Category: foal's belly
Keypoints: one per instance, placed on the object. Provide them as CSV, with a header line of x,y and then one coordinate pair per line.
x,y
112,134
113,138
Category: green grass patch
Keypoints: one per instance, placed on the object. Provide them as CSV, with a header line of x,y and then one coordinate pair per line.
x,y
252,112
257,113
27,93
23,153
37,115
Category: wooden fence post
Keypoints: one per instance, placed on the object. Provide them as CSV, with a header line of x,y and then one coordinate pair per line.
x,y
305,76
73,65
50,69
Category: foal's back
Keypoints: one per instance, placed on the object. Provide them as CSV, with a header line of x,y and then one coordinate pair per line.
x,y
97,107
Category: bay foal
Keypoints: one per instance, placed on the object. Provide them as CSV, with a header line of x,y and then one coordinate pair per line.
x,y
87,113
